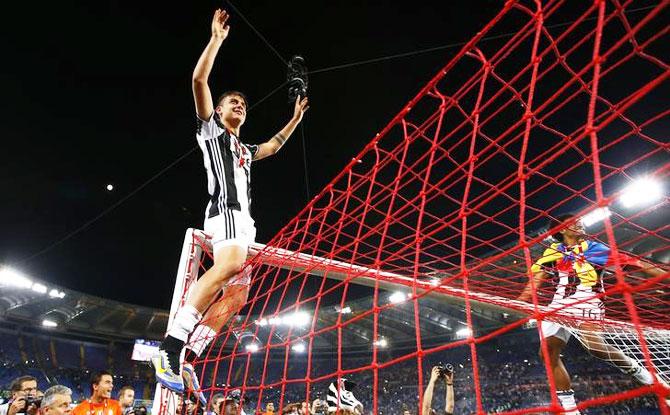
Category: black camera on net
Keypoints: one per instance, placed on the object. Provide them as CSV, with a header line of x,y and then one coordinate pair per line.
x,y
445,369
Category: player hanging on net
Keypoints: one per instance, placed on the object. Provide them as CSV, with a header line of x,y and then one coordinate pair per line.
x,y
576,265
227,219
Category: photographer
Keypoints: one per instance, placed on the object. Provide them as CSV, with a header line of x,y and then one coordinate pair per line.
x,y
447,373
24,397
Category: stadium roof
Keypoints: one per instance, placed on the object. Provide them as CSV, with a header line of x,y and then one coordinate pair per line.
x,y
79,314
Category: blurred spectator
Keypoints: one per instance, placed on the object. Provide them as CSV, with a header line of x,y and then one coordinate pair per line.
x,y
319,407
269,408
24,397
215,404
231,406
100,402
57,401
127,399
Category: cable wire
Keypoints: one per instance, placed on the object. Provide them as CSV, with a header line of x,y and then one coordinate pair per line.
x,y
257,32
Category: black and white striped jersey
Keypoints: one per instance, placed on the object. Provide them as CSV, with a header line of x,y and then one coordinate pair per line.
x,y
228,164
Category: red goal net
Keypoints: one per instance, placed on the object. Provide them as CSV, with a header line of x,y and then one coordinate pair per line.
x,y
418,252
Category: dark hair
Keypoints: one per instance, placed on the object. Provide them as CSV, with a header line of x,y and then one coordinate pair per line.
x,y
17,384
229,93
125,388
97,377
554,222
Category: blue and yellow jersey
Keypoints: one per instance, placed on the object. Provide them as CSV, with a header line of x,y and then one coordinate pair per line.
x,y
579,265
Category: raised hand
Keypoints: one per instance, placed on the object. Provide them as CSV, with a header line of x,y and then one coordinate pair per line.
x,y
435,374
219,28
300,108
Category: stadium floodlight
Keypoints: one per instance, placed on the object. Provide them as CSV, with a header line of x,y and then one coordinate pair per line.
x,y
398,297
382,342
596,216
54,293
643,191
13,278
298,319
49,323
251,347
262,322
463,332
345,310
39,288
299,347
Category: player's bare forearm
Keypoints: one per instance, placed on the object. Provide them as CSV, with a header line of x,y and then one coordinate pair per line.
x,y
204,105
652,270
274,144
527,293
204,66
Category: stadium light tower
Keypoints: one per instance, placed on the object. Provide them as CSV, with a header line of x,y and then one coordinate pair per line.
x,y
643,191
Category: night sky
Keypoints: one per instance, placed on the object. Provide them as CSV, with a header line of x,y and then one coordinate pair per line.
x,y
99,92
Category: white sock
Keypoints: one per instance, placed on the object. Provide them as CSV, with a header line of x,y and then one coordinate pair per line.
x,y
201,338
567,400
184,322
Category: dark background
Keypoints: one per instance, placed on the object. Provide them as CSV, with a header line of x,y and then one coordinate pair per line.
x,y
99,92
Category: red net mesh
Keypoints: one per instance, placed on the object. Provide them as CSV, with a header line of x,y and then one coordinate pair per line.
x,y
449,206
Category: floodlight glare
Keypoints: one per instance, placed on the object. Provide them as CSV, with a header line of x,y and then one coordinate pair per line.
x,y
381,342
13,278
596,216
39,288
298,347
251,348
397,297
463,332
49,323
642,191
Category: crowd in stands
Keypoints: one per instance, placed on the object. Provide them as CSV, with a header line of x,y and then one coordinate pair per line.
x,y
511,376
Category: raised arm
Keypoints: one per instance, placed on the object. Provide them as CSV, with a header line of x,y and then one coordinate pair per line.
x,y
428,394
204,105
449,405
273,145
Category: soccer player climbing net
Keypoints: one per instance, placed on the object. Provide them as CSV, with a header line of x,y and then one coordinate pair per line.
x,y
447,208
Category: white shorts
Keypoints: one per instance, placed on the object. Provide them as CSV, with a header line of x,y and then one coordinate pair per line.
x,y
589,310
232,227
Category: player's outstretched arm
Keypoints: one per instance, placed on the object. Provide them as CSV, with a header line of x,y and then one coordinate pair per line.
x,y
527,293
202,96
273,145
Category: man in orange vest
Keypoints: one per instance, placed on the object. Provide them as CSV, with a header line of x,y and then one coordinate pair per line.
x,y
100,402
